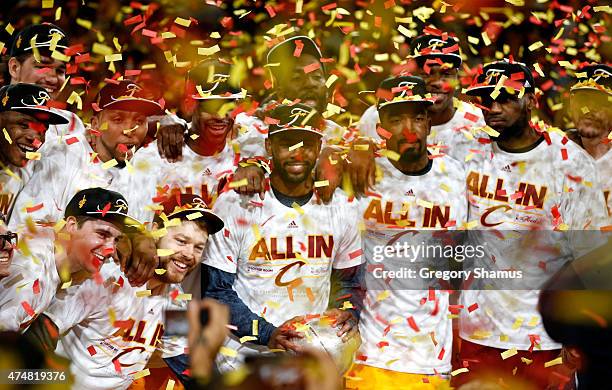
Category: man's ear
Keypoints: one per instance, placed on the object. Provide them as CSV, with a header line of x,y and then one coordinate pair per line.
x,y
268,147
14,68
95,122
71,225
530,101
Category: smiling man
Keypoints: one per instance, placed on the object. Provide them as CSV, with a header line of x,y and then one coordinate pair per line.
x,y
118,129
95,219
278,257
24,119
110,330
31,60
438,61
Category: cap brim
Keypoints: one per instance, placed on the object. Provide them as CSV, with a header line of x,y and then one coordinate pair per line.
x,y
592,89
481,90
233,96
294,129
425,102
44,115
450,58
147,107
121,220
214,223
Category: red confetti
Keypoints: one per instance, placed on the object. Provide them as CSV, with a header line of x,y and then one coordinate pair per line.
x,y
564,154
472,307
28,309
106,209
298,48
312,67
36,287
355,254
92,350
413,324
34,208
72,140
471,117
441,354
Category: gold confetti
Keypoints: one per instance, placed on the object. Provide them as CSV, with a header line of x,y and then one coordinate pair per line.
x,y
459,371
535,46
10,141
296,146
47,4
160,271
228,352
164,252
143,293
33,155
182,22
141,374
255,328
244,339
170,384
206,51
240,183
321,183
554,362
509,353
109,164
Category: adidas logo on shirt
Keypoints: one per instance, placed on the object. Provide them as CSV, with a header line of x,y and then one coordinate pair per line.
x,y
292,225
207,172
409,193
507,168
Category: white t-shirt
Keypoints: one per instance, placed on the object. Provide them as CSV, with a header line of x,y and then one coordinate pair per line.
x,y
73,127
306,242
30,287
107,331
63,170
389,341
12,181
455,137
604,167
549,186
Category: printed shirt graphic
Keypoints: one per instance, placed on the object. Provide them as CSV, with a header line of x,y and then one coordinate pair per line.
x,y
30,287
553,186
455,137
271,247
109,329
403,329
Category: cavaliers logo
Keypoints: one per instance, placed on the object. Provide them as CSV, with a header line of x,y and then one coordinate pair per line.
x,y
33,101
297,113
216,79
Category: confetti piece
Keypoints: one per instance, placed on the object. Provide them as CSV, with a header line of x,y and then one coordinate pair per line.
x,y
8,137
182,22
34,208
170,384
113,57
509,353
160,271
36,287
28,309
255,328
554,362
47,4
355,254
424,203
526,361
321,183
228,352
459,371
10,29
67,284
92,350
312,67
33,155
164,252
240,183
143,293
296,146
297,208
535,46
412,324
331,80
245,339
142,374
206,51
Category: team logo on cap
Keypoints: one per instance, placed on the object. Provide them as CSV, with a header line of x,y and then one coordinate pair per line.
x,y
435,43
405,87
198,202
131,89
297,113
217,79
120,206
599,73
493,74
33,101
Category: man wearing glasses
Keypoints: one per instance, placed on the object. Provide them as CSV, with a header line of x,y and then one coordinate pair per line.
x,y
8,241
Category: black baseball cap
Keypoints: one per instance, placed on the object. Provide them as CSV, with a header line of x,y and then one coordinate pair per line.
x,y
49,37
103,204
430,46
284,50
403,89
295,117
517,75
189,207
126,95
30,99
212,79
594,77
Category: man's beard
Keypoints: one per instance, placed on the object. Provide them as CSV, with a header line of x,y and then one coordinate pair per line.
x,y
514,129
292,178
